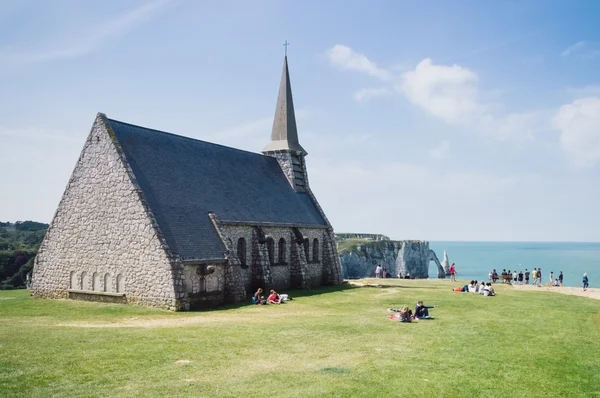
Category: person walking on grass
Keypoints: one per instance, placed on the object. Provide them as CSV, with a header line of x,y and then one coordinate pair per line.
x,y
560,278
586,282
526,276
452,273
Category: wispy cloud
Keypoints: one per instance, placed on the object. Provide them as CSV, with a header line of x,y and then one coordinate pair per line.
x,y
582,49
368,94
579,125
343,57
447,92
87,43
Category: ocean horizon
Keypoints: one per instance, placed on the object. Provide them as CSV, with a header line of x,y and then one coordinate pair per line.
x,y
475,259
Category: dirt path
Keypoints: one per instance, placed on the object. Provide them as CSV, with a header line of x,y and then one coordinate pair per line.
x,y
572,291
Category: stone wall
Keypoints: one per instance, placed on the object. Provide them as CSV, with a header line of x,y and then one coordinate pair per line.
x,y
102,226
280,272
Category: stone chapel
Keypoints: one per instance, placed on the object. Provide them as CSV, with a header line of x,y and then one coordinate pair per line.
x,y
157,219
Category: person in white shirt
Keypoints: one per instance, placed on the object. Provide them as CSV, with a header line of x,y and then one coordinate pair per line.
x,y
472,286
378,271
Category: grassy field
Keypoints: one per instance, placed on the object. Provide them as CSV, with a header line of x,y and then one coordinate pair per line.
x,y
336,342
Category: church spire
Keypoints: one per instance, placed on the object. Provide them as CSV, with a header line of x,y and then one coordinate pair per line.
x,y
284,136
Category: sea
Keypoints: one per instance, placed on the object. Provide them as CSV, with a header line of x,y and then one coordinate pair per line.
x,y
474,260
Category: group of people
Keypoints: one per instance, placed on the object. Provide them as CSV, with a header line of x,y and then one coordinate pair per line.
x,y
515,277
483,288
382,272
520,277
273,298
404,314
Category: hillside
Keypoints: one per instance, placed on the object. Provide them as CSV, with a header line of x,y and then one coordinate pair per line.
x,y
19,243
335,342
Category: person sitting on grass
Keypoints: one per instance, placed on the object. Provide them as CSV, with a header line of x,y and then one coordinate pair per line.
x,y
257,298
273,298
422,311
489,290
472,286
483,288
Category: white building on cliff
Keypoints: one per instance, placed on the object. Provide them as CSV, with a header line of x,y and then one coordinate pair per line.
x,y
158,219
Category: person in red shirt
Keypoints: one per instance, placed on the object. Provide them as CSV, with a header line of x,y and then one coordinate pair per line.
x,y
273,298
452,273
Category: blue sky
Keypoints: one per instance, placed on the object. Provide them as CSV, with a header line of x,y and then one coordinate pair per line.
x,y
463,120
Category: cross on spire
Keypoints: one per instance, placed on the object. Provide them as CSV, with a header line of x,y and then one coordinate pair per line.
x,y
286,44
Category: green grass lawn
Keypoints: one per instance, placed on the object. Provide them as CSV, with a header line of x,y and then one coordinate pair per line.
x,y
336,342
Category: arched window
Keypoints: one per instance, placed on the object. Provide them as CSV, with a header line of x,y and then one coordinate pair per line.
x,y
120,284
108,283
85,283
96,281
315,250
73,284
241,251
307,249
281,255
271,250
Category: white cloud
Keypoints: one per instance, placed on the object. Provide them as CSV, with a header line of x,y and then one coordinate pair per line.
x,y
87,43
582,49
368,94
343,57
441,151
446,92
579,124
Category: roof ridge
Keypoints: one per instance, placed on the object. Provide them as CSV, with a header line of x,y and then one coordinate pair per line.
x,y
189,138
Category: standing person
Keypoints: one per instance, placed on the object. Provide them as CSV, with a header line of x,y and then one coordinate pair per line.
x,y
586,282
526,276
490,275
453,273
515,277
384,274
533,276
560,278
520,278
378,271
539,277
551,277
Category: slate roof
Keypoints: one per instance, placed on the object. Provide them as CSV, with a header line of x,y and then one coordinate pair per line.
x,y
184,179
